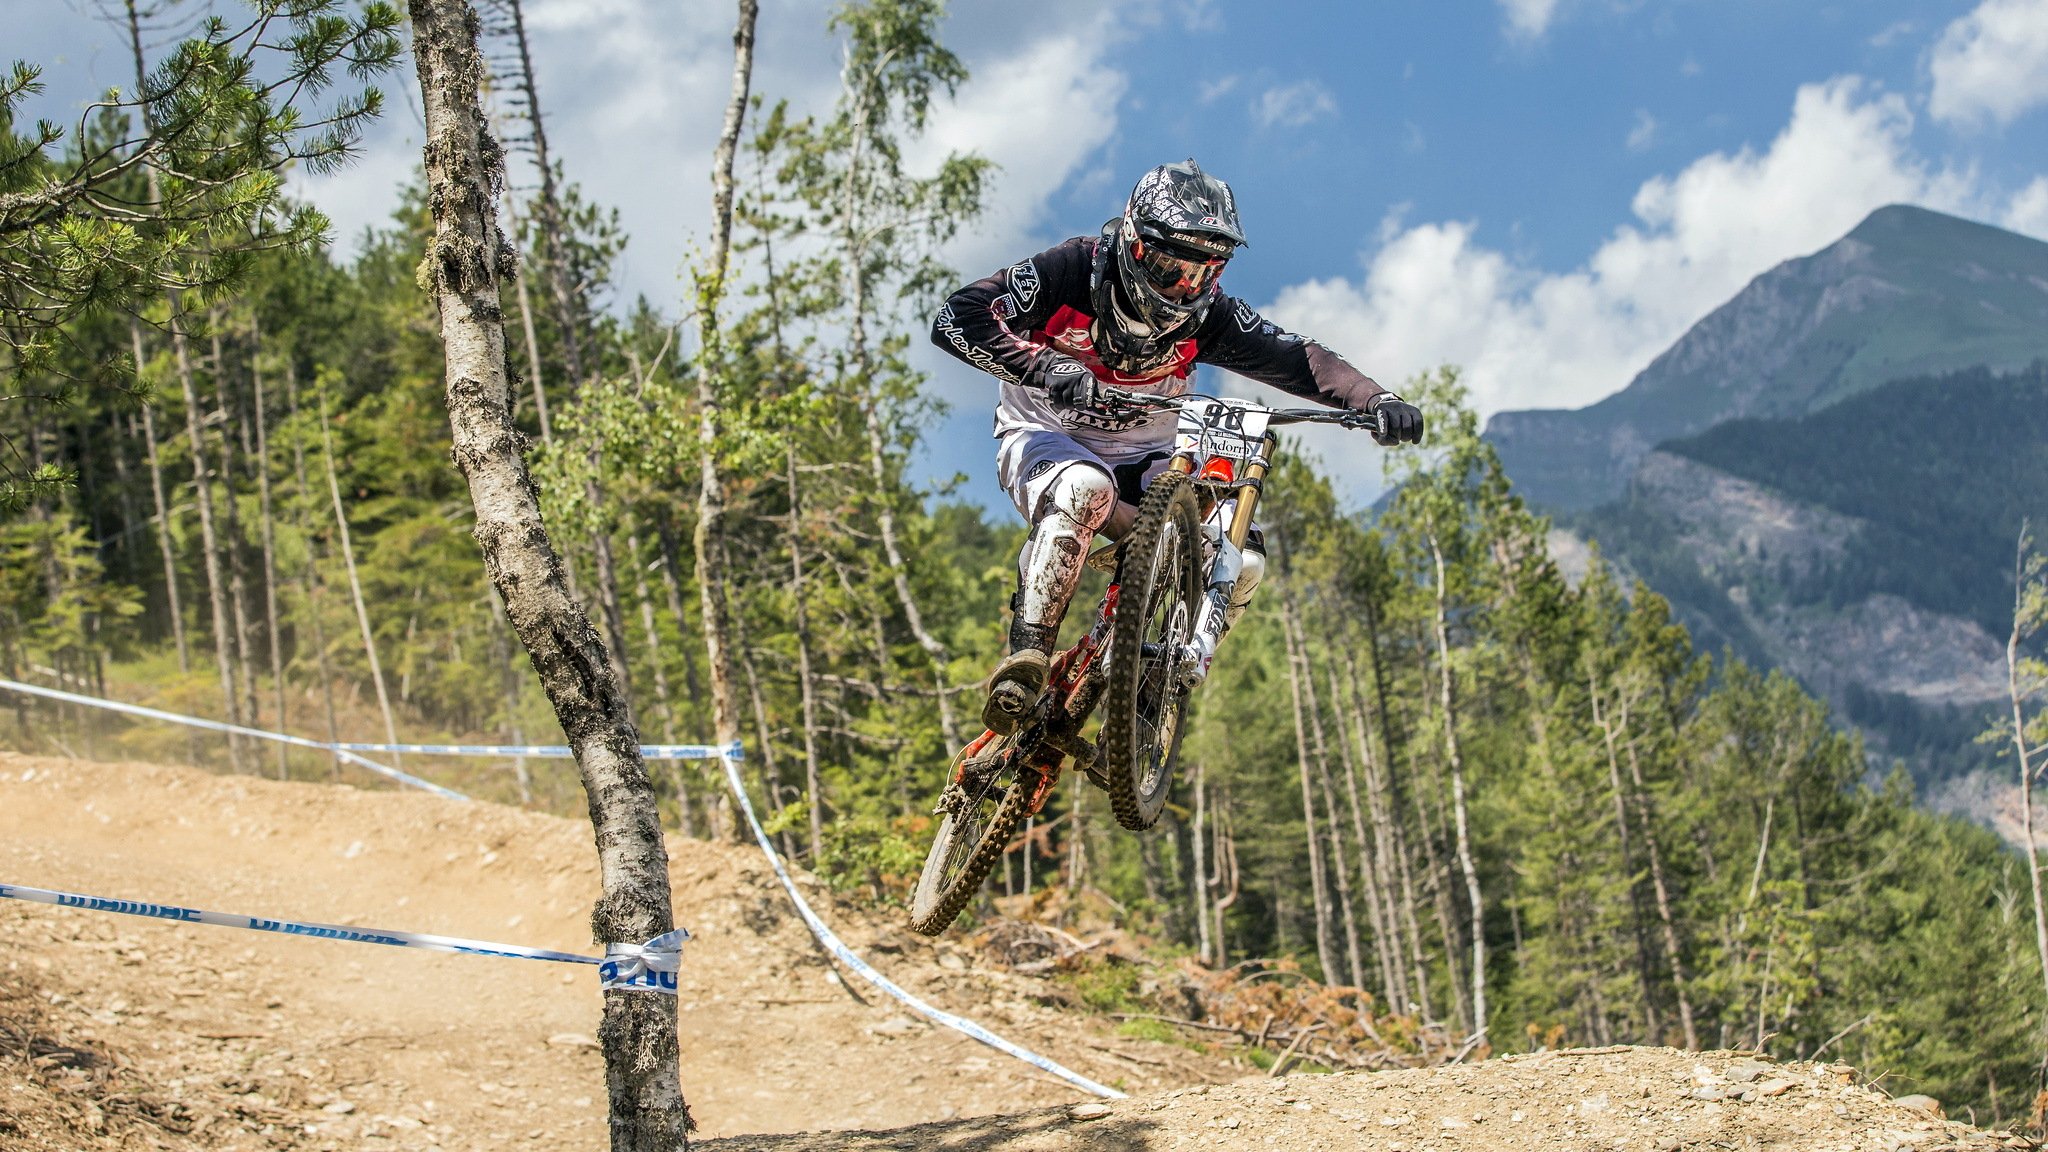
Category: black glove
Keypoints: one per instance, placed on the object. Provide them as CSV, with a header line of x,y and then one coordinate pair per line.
x,y
1401,420
1067,382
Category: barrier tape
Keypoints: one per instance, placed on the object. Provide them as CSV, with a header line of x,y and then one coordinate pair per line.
x,y
838,948
352,751
649,967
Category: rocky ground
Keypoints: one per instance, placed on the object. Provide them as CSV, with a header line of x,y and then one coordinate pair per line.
x,y
118,1032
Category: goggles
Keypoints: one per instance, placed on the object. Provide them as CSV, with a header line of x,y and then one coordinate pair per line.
x,y
1177,273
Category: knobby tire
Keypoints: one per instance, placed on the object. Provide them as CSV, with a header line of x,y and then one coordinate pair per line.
x,y
1168,520
937,901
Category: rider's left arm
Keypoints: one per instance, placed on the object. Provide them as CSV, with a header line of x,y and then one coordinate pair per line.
x,y
1239,340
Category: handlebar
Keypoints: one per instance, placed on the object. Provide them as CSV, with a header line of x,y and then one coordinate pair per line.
x,y
1346,417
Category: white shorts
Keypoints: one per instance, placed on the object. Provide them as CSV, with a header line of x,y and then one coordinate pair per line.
x,y
1029,460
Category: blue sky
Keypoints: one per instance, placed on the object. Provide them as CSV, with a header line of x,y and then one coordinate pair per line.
x,y
1544,191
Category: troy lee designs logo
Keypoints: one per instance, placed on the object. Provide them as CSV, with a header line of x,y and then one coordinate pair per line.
x,y
981,358
1024,283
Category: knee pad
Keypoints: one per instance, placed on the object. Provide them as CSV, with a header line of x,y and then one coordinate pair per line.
x,y
1083,493
1076,505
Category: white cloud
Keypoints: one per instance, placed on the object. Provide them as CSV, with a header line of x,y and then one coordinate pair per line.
x,y
634,91
1644,134
1433,294
1530,18
1072,100
1210,91
1293,105
1991,64
2028,212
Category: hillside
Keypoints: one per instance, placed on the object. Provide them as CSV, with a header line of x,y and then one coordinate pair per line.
x,y
229,1039
1908,293
1864,550
126,1033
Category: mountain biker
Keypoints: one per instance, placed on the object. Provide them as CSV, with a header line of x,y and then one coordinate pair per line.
x,y
1135,307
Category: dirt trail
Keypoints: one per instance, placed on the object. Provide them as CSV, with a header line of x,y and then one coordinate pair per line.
x,y
1651,1099
118,1032
224,1038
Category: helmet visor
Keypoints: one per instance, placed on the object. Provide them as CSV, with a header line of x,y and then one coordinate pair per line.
x,y
1178,274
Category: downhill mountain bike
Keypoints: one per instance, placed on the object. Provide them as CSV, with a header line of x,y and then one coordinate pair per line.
x,y
1154,635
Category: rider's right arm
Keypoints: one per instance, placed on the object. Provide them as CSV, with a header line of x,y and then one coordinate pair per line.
x,y
989,323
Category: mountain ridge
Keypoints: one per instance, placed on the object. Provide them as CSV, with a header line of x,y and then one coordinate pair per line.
x,y
1909,292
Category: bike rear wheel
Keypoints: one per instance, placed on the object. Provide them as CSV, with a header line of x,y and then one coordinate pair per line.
x,y
1160,595
982,809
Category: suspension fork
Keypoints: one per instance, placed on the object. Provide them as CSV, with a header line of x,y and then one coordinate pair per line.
x,y
1248,493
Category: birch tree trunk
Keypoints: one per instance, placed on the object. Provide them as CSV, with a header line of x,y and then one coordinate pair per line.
x,y
814,796
269,543
1318,881
238,584
464,262
2023,753
202,484
309,577
1201,863
712,576
355,582
163,513
1458,806
1673,954
1368,863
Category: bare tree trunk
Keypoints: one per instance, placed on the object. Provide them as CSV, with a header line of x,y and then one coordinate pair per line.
x,y
309,577
1201,863
464,260
1606,722
1226,878
533,372
348,557
269,542
1673,955
814,795
1457,766
2020,749
646,602
209,542
1319,883
238,585
1339,867
692,688
712,576
163,513
1368,865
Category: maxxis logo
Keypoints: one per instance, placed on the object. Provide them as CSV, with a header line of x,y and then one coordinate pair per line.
x,y
949,327
1024,284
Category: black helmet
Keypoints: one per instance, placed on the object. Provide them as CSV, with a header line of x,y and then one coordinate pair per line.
x,y
1158,268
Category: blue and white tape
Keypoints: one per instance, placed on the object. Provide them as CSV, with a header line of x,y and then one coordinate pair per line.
x,y
649,967
352,751
838,948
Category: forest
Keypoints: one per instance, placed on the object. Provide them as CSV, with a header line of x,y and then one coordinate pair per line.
x,y
1429,767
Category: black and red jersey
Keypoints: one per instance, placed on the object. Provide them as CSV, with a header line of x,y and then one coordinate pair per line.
x,y
1044,305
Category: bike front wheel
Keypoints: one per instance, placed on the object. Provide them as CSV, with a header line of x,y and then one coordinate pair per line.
x,y
988,800
1159,597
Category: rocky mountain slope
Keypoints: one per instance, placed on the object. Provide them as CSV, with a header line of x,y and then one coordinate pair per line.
x,y
122,1033
1908,293
1866,548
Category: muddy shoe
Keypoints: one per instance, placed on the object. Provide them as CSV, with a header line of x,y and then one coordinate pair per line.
x,y
1014,689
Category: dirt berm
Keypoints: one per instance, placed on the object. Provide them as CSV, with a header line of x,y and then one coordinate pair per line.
x,y
118,1032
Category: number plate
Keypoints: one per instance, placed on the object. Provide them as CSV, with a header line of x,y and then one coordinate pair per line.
x,y
1221,426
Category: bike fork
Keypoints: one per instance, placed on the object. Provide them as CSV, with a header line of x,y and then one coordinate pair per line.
x,y
1214,618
